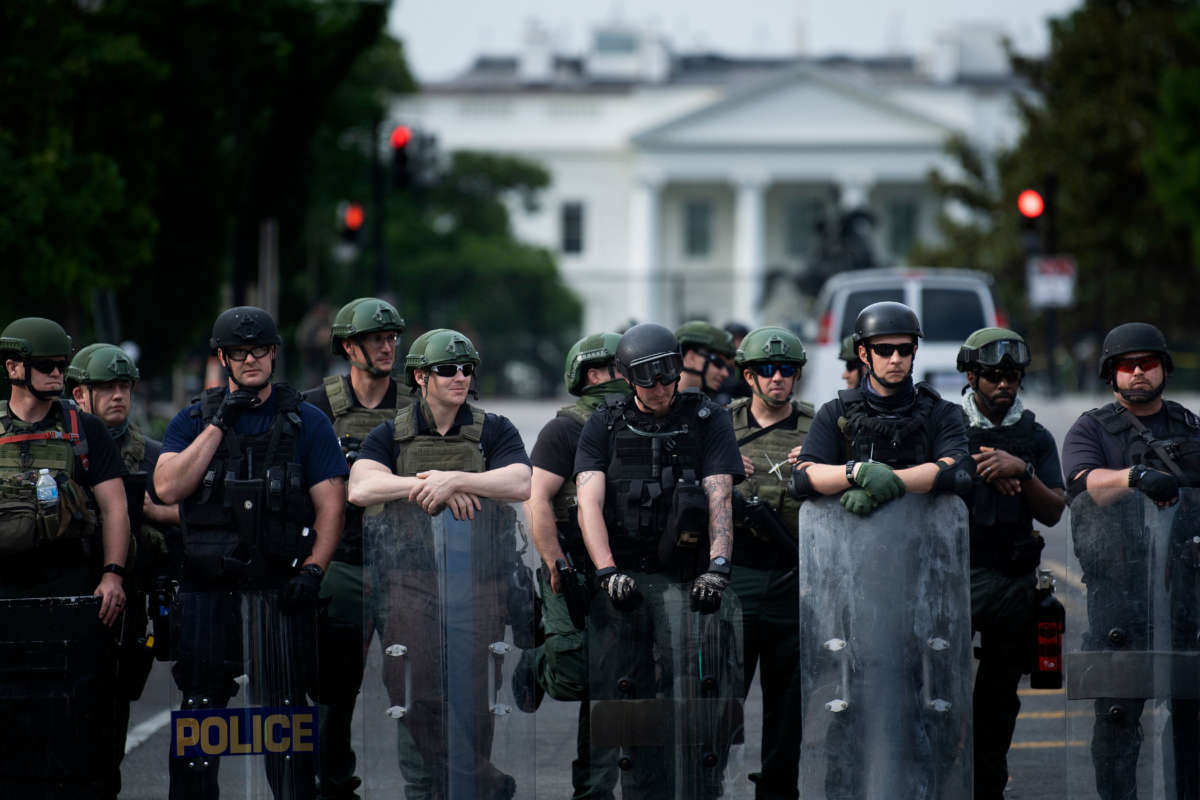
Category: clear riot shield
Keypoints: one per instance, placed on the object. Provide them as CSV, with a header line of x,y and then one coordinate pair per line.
x,y
243,722
666,694
885,650
1131,652
56,698
445,601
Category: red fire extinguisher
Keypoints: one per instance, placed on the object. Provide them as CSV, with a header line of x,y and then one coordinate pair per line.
x,y
1049,624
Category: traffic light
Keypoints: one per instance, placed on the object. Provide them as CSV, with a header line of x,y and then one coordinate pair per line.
x,y
1039,234
401,142
350,222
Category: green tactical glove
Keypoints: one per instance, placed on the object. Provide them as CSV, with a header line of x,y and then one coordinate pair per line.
x,y
858,501
879,480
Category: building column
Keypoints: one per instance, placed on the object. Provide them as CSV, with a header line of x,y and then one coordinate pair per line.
x,y
644,291
749,248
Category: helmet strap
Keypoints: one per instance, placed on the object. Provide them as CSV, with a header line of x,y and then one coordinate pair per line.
x,y
881,381
247,387
24,383
766,398
364,365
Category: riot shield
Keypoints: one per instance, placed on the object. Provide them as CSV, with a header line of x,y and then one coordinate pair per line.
x,y
448,604
56,698
1131,657
243,723
885,651
666,689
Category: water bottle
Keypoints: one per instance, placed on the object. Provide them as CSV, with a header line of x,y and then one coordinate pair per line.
x,y
47,491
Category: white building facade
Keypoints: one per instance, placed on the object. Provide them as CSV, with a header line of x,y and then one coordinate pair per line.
x,y
691,186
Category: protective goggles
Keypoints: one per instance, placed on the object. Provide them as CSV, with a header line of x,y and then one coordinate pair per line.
x,y
450,370
995,375
1128,365
661,369
48,365
240,353
993,354
768,370
886,350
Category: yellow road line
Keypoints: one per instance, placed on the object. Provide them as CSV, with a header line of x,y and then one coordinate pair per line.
x,y
1047,745
1054,714
1038,692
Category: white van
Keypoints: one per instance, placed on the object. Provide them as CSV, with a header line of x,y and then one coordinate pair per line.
x,y
951,304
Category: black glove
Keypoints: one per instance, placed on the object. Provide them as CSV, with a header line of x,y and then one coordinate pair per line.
x,y
621,589
708,588
232,406
1158,486
300,593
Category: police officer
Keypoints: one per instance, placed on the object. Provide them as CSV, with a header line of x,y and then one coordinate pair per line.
x,y
250,446
889,435
768,426
101,379
853,371
1144,442
706,352
51,550
733,387
366,333
561,663
1018,481
442,453
654,475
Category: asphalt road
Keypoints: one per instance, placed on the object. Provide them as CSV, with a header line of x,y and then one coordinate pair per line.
x,y
1045,749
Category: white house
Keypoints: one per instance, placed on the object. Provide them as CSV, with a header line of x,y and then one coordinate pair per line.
x,y
682,181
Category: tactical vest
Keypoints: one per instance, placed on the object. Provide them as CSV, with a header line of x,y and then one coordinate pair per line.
x,y
133,451
768,452
417,451
352,422
1181,444
565,501
899,441
27,448
649,459
251,506
999,521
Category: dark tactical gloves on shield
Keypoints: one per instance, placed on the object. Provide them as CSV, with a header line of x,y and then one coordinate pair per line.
x,y
232,406
300,593
1158,486
878,484
708,588
621,589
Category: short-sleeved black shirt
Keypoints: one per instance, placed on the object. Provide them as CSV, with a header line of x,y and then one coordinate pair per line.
x,y
718,447
823,444
1088,446
1045,457
499,439
554,450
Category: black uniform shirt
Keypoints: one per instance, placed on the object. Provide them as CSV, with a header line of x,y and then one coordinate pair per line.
x,y
824,443
499,439
1089,446
554,450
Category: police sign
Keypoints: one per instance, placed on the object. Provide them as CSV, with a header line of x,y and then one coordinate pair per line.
x,y
210,732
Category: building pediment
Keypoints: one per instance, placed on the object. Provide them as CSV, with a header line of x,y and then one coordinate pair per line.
x,y
805,107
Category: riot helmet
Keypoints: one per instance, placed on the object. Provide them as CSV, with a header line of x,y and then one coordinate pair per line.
x,y
243,326
1133,337
886,318
698,333
771,344
596,350
847,352
439,346
416,355
101,363
648,354
362,316
33,339
993,347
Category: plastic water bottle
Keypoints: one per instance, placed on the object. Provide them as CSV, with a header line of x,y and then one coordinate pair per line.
x,y
47,490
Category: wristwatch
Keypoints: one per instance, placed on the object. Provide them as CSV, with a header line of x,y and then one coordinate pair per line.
x,y
1029,471
115,569
313,569
850,472
719,564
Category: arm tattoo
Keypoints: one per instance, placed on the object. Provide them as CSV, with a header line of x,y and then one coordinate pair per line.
x,y
584,477
719,489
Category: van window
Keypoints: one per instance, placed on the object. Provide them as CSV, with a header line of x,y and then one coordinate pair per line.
x,y
950,315
857,301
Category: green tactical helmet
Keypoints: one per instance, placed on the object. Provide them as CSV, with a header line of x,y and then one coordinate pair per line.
x,y
101,363
35,337
848,351
993,347
698,333
590,351
771,344
438,346
364,315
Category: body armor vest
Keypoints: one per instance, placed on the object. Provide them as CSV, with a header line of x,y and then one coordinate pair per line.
x,y
899,441
133,450
417,452
352,422
1181,444
766,451
26,449
650,458
565,501
999,521
251,504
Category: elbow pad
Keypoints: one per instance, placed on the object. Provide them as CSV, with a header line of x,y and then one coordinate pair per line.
x,y
956,477
1077,485
801,487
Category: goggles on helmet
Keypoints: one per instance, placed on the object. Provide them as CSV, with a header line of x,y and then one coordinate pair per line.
x,y
993,354
661,369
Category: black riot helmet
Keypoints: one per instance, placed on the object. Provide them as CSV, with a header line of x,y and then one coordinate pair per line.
x,y
648,354
243,326
1133,337
886,318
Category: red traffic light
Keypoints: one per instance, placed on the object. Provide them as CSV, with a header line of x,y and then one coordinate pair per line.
x,y
401,136
353,217
1030,204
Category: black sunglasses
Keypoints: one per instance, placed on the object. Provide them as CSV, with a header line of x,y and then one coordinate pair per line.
x,y
1013,376
885,350
767,370
48,365
450,370
240,353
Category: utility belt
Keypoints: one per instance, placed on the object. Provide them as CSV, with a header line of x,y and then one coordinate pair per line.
x,y
26,525
1013,553
647,562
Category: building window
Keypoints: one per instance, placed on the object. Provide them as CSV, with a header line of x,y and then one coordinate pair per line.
x,y
801,226
572,227
902,227
697,228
